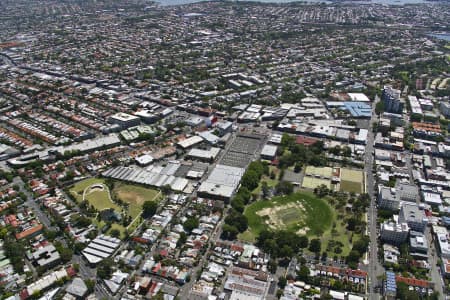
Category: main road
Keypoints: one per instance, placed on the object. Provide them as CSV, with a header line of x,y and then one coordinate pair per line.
x,y
375,268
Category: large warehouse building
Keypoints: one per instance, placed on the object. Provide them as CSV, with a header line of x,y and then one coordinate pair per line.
x,y
221,183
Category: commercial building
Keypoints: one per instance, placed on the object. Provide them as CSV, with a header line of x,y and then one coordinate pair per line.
x,y
269,152
221,183
391,100
390,198
394,232
124,120
204,155
418,242
411,214
224,127
190,142
151,176
442,241
390,286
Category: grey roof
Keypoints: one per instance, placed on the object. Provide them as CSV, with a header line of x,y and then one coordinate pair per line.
x,y
77,288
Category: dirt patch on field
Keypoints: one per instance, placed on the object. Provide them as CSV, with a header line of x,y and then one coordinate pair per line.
x,y
280,217
130,197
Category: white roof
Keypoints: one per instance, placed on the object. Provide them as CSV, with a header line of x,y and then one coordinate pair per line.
x,y
144,159
269,150
200,153
360,97
189,142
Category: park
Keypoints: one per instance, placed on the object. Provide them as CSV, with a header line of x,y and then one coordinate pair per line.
x,y
123,199
301,213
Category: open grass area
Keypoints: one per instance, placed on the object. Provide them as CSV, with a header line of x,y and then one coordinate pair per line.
x,y
300,213
312,182
352,181
96,192
134,195
322,171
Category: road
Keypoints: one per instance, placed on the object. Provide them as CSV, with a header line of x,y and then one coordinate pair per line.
x,y
435,273
31,203
375,268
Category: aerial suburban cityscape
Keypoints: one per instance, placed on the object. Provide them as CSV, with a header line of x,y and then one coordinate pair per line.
x,y
223,150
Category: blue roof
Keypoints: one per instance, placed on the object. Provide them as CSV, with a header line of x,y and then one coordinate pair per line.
x,y
391,285
358,109
446,220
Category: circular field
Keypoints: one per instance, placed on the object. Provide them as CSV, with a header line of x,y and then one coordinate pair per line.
x,y
301,213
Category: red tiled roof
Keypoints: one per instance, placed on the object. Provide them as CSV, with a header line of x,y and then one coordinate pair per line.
x,y
414,282
305,140
29,232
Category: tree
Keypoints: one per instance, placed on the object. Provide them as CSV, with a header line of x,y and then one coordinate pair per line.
x,y
104,268
190,224
287,141
166,189
229,232
149,208
250,180
182,239
66,254
272,266
238,220
403,292
303,241
315,245
115,233
284,187
353,256
286,251
237,204
379,107
90,284
265,190
303,273
282,281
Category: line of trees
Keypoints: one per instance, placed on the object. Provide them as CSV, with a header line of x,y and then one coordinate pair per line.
x,y
236,222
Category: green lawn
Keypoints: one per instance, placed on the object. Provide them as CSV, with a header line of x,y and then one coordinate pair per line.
x,y
300,213
135,195
349,186
100,199
297,212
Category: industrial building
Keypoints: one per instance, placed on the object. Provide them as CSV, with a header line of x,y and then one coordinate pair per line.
x,y
222,182
100,248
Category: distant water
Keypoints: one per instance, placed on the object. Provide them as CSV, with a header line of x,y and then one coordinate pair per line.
x,y
389,2
441,36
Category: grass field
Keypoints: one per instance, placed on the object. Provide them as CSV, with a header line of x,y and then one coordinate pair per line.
x,y
97,194
300,213
312,182
322,171
135,196
352,181
99,198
